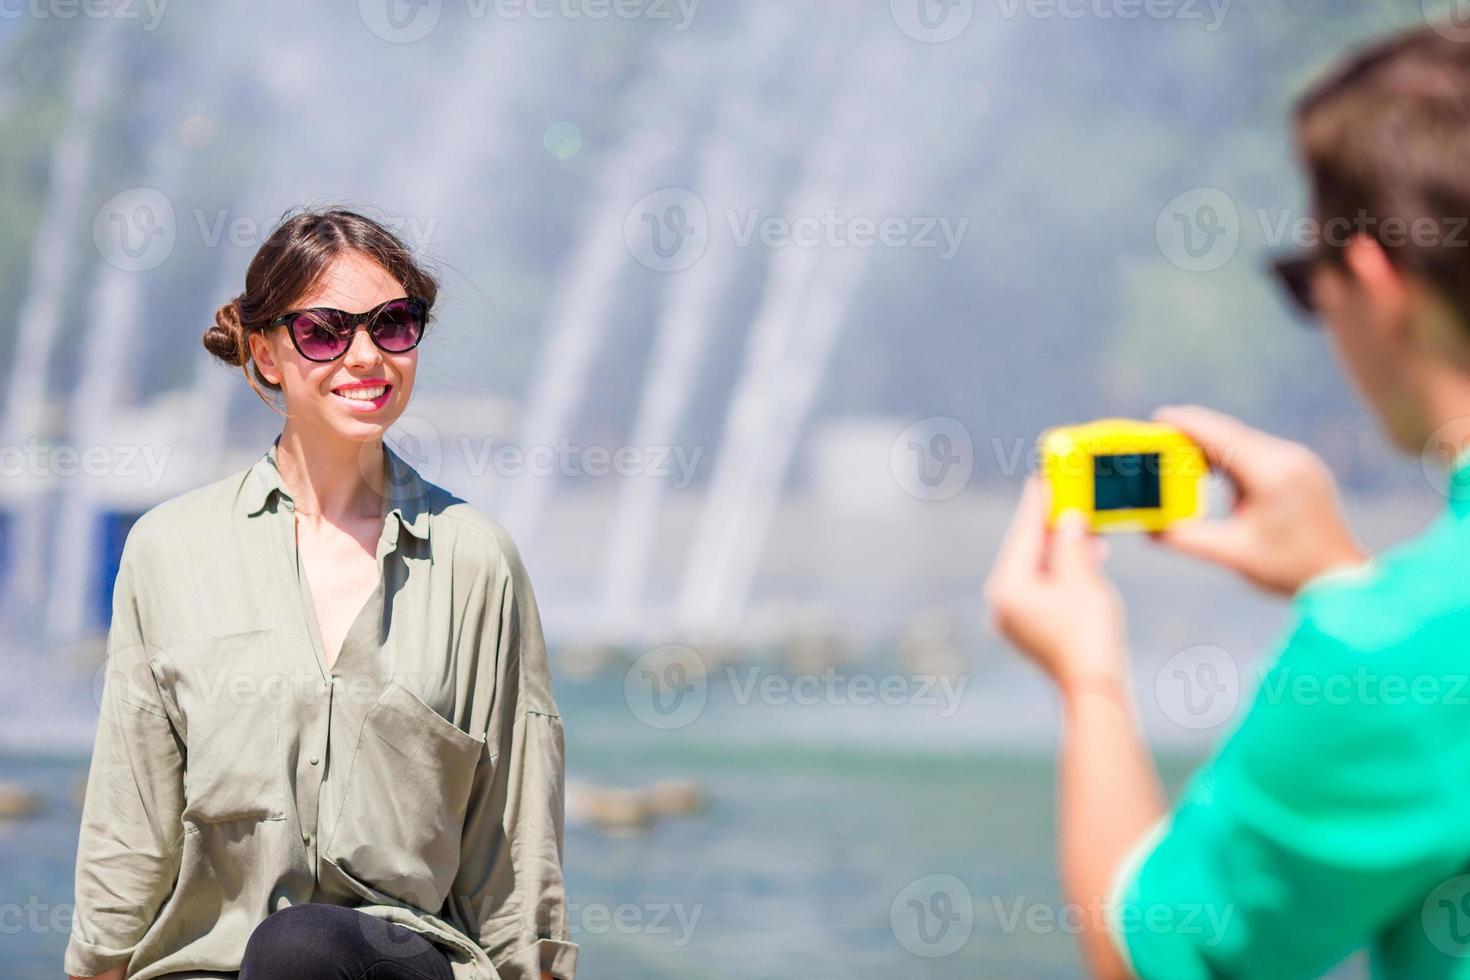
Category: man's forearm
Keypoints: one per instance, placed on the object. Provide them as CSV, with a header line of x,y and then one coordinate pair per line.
x,y
1109,797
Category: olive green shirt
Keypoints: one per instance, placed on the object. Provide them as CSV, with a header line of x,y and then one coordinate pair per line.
x,y
1336,816
418,778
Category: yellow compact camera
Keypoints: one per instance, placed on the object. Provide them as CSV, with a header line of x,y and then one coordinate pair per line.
x,y
1124,475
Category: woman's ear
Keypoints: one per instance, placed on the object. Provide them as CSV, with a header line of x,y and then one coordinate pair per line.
x,y
265,358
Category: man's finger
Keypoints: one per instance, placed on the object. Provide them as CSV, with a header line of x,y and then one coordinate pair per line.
x,y
1073,552
1024,543
1230,445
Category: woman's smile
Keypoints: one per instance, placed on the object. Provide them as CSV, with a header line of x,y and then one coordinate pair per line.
x,y
364,396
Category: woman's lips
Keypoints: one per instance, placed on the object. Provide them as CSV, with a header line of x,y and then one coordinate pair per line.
x,y
359,403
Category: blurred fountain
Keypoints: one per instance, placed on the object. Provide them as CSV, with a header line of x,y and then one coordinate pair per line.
x,y
747,141
61,225
808,294
669,98
755,413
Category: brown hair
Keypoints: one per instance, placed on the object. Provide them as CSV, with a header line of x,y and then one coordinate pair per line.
x,y
290,262
1385,139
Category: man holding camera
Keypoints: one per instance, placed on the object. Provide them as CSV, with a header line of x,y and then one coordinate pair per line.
x,y
1321,825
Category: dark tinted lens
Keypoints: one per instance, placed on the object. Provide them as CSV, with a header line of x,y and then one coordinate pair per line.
x,y
399,325
320,335
1295,276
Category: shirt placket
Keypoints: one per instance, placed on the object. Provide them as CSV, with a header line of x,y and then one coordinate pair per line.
x,y
343,691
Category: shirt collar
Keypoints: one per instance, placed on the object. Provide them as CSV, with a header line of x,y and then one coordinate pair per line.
x,y
1457,485
408,492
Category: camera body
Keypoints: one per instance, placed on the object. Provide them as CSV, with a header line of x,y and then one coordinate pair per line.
x,y
1123,474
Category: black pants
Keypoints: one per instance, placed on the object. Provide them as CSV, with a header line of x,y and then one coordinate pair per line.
x,y
317,941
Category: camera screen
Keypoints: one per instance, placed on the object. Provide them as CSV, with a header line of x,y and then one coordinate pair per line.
x,y
1125,481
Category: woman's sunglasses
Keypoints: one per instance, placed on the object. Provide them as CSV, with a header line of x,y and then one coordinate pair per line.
x,y
324,334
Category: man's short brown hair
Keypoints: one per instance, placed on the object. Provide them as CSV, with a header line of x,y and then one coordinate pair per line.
x,y
1386,142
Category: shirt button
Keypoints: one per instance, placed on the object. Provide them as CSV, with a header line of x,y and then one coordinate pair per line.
x,y
314,760
306,839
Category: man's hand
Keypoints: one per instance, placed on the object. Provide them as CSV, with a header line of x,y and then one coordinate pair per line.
x,y
1048,595
1287,525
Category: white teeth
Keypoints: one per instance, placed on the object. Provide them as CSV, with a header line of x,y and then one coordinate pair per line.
x,y
362,394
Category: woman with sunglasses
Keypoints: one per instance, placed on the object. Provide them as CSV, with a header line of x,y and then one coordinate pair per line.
x,y
328,744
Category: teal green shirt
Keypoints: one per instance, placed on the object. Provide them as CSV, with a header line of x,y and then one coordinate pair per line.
x,y
1337,814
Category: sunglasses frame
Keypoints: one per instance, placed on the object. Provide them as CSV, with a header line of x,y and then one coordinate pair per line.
x,y
1293,273
354,321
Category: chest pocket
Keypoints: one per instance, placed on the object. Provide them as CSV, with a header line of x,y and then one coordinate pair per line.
x,y
229,690
403,807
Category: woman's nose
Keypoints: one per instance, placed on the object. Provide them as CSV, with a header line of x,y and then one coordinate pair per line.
x,y
362,349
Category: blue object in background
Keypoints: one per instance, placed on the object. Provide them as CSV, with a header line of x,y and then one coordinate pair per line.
x,y
5,521
115,525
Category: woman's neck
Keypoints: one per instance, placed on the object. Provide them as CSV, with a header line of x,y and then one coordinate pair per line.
x,y
331,478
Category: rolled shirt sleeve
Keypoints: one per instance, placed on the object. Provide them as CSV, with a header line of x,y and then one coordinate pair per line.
x,y
509,886
131,832
1335,807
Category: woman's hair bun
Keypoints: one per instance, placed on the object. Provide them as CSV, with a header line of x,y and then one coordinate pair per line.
x,y
226,339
